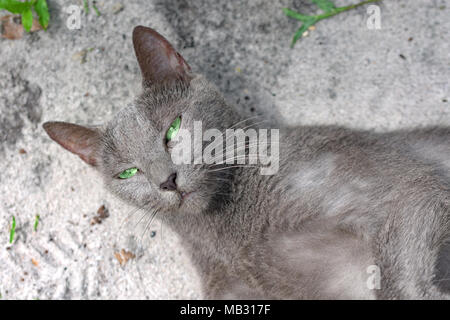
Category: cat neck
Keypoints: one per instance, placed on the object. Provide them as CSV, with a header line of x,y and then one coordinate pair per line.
x,y
219,234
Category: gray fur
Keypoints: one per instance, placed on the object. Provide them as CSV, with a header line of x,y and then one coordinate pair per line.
x,y
342,200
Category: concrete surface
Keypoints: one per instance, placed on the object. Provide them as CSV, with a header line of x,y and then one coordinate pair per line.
x,y
341,73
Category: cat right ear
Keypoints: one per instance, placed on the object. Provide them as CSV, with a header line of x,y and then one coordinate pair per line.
x,y
158,60
79,140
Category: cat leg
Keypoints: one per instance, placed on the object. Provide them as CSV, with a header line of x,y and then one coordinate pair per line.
x,y
442,278
408,247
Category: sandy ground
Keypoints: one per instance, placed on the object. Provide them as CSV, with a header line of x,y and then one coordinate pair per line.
x,y
342,73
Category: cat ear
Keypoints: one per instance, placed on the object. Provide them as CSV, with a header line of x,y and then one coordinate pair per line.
x,y
77,139
158,60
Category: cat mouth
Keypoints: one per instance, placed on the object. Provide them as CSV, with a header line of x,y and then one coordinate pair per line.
x,y
184,195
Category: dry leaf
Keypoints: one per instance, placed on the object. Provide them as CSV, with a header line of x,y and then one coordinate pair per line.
x,y
118,257
34,262
11,27
117,8
80,56
123,256
102,213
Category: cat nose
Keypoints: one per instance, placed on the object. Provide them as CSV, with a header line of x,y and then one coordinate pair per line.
x,y
169,184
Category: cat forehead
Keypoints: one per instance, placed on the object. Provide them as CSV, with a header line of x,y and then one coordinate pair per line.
x,y
130,123
156,107
130,115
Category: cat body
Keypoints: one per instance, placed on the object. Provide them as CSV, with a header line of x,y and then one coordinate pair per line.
x,y
335,209
348,215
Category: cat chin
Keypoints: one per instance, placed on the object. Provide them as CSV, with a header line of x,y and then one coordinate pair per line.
x,y
195,202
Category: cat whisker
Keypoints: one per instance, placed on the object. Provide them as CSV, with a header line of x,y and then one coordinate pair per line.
x,y
232,137
250,157
248,146
161,228
244,147
231,167
245,120
235,125
217,179
132,213
144,215
221,173
149,223
234,157
220,193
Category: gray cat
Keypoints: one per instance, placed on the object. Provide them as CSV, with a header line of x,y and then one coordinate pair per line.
x,y
349,214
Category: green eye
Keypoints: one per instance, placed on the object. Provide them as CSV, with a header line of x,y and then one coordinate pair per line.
x,y
174,128
125,174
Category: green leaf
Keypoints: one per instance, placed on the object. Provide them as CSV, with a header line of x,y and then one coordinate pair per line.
x,y
15,6
293,14
27,19
42,11
324,5
311,21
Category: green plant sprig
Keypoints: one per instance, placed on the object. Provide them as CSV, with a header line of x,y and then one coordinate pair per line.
x,y
25,10
36,222
94,6
13,230
329,10
86,6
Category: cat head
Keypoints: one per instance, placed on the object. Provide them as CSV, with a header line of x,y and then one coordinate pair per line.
x,y
133,150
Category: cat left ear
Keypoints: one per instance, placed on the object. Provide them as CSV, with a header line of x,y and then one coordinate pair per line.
x,y
79,140
158,60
